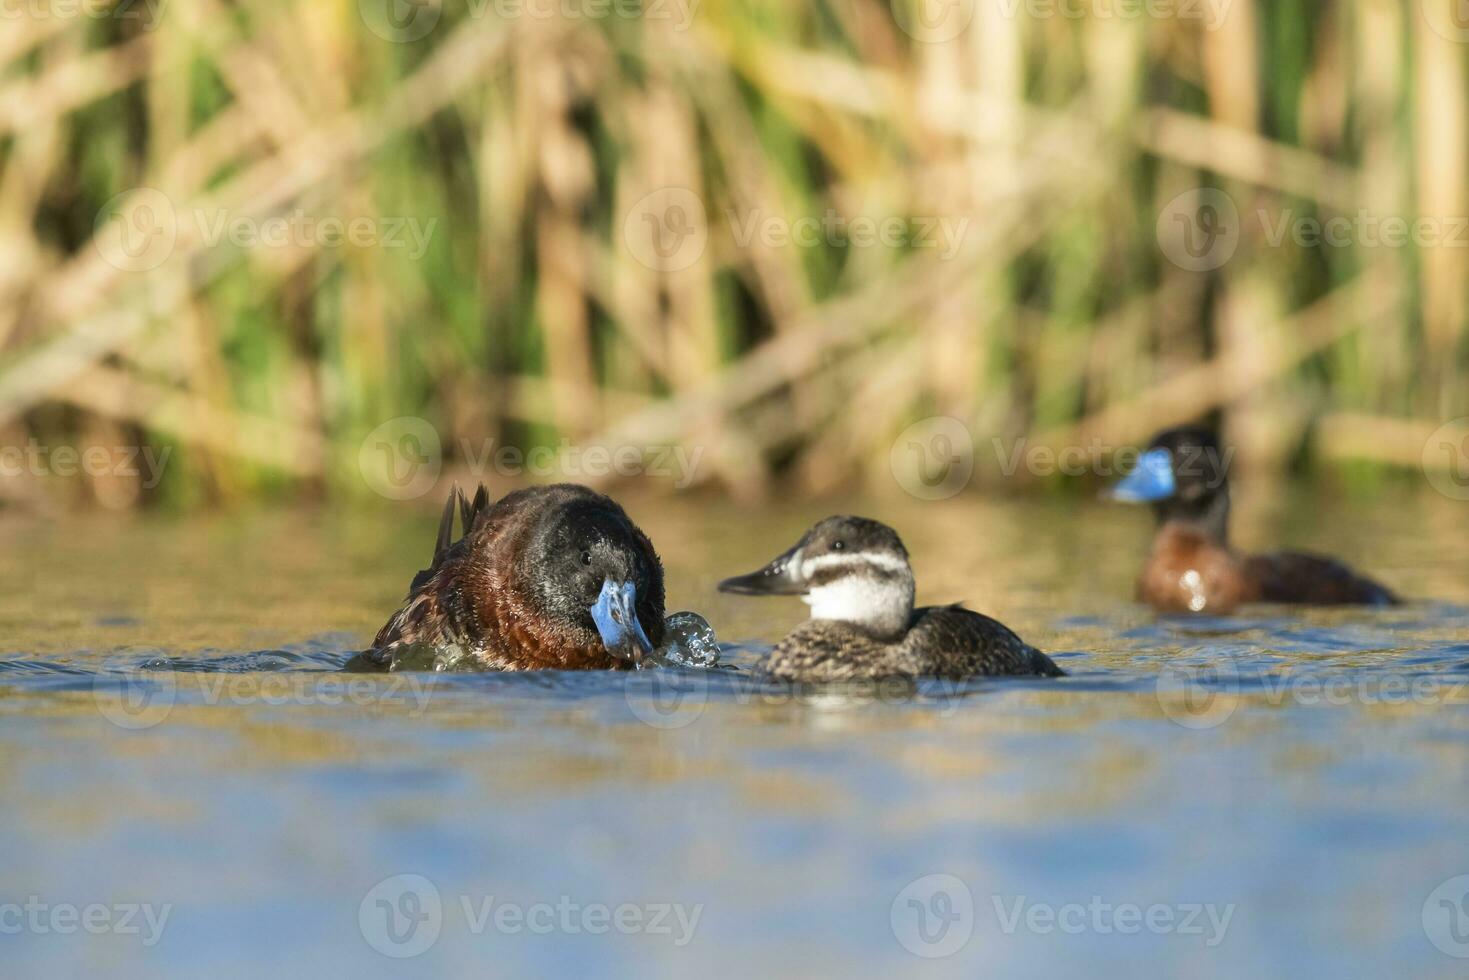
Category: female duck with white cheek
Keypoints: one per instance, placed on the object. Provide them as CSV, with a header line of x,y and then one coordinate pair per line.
x,y
855,576
555,577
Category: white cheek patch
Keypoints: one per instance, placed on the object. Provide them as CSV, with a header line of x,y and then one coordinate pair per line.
x,y
848,562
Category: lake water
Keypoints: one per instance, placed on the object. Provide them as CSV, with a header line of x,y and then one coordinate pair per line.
x,y
188,789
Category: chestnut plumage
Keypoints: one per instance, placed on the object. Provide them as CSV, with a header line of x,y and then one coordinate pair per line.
x,y
1192,568
555,577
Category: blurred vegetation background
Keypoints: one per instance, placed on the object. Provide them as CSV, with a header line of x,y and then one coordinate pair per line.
x,y
584,222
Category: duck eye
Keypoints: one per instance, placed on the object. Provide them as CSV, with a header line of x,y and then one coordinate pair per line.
x,y
586,557
838,545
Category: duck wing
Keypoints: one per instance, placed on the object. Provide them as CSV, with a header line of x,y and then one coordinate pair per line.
x,y
955,642
1300,577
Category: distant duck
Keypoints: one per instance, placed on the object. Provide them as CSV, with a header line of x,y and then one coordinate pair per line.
x,y
555,577
1192,568
855,576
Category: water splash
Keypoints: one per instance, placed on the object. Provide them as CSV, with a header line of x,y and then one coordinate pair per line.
x,y
688,641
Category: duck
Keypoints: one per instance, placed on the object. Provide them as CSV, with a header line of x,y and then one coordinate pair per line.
x,y
554,577
1192,567
855,575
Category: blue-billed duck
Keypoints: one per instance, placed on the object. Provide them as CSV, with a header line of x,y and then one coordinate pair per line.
x,y
555,577
855,576
1192,568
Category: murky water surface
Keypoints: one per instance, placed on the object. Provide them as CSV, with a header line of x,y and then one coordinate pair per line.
x,y
188,789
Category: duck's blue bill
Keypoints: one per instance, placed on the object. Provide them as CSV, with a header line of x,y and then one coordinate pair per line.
x,y
1151,479
616,614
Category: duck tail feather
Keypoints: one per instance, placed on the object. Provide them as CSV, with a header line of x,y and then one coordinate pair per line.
x,y
446,525
476,511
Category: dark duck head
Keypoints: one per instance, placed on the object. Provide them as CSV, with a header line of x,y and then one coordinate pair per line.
x,y
848,569
548,577
1184,475
1192,568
